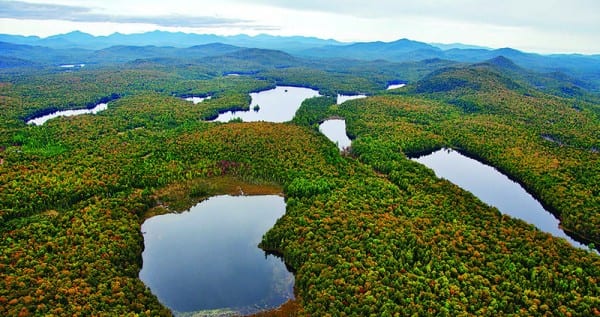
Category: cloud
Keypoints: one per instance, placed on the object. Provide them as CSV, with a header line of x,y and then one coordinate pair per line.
x,y
38,11
581,15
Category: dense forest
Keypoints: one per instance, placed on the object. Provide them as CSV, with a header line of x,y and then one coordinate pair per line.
x,y
367,231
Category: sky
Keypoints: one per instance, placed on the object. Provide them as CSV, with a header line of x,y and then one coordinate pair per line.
x,y
543,26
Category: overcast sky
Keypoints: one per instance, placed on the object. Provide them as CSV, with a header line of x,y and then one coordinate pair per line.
x,y
545,26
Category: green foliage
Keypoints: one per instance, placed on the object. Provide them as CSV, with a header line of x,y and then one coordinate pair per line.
x,y
313,111
301,187
372,234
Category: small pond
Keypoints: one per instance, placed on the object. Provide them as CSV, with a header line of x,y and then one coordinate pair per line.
x,y
206,260
274,105
67,113
343,98
335,130
197,100
495,189
394,86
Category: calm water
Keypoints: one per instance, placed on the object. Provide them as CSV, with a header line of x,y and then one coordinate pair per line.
x,y
394,86
343,98
208,259
335,130
494,188
197,100
275,105
67,113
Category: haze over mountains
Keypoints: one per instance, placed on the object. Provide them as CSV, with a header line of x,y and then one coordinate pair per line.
x,y
78,47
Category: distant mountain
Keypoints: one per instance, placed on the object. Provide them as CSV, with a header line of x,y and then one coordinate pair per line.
x,y
461,46
13,62
160,38
79,47
401,50
212,49
42,55
581,67
494,75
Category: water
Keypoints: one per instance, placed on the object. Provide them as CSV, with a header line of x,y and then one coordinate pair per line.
x,y
335,130
197,100
72,66
67,113
343,98
394,86
275,105
495,189
208,259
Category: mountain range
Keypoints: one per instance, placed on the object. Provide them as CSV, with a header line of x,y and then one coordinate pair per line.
x,y
82,48
79,39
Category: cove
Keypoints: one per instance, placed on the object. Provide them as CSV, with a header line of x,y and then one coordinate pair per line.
x,y
206,260
274,105
495,189
335,130
68,113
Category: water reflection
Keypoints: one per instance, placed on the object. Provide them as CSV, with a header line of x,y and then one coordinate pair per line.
x,y
335,130
275,105
495,189
68,113
208,258
395,86
343,98
197,100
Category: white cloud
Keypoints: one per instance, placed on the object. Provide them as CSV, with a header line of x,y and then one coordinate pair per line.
x,y
36,11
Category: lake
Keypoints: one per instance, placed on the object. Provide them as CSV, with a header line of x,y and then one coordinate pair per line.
x,y
274,105
343,98
207,259
495,189
335,130
394,86
68,113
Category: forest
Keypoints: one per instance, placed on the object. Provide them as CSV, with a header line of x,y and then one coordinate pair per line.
x,y
367,231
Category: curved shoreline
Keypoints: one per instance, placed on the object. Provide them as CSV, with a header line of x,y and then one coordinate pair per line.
x,y
475,156
52,110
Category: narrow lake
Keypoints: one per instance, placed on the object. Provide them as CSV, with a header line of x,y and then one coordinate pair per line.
x,y
394,86
274,105
206,260
335,130
343,98
68,113
495,189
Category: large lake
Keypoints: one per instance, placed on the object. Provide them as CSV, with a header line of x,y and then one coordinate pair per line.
x,y
495,189
68,113
274,105
335,130
207,259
